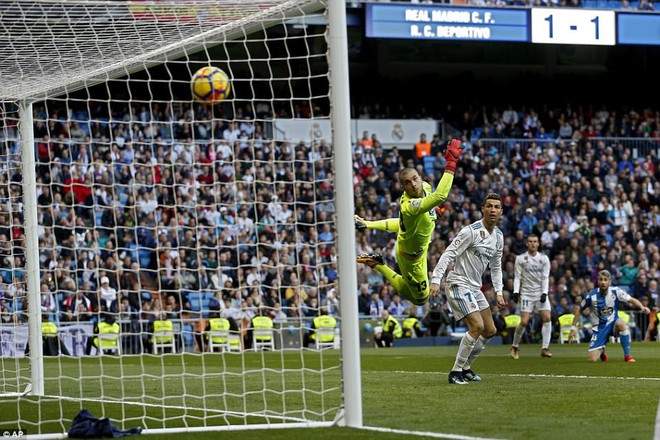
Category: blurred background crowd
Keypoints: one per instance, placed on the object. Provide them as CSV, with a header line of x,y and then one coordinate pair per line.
x,y
141,209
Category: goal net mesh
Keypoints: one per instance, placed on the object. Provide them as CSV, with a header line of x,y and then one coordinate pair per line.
x,y
153,207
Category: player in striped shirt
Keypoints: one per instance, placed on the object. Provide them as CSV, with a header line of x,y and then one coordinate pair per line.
x,y
475,248
530,284
604,303
414,229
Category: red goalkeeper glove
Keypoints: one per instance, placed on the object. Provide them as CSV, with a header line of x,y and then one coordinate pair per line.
x,y
452,154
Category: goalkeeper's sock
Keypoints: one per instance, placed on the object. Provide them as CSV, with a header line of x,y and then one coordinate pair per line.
x,y
464,351
389,224
546,334
624,337
476,351
517,336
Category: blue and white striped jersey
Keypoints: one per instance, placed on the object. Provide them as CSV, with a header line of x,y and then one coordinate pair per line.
x,y
604,308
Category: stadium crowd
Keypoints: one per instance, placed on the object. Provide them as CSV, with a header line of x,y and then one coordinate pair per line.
x,y
137,213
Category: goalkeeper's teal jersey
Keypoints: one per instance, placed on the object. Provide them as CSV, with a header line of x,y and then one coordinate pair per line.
x,y
417,218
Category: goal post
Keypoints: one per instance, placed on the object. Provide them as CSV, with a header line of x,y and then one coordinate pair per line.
x,y
139,206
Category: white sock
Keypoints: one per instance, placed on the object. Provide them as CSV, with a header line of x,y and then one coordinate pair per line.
x,y
464,350
476,351
546,333
517,336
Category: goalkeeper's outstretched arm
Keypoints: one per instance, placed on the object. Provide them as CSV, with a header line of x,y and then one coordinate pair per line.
x,y
441,192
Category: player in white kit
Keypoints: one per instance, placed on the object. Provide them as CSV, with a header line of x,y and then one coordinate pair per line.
x,y
530,285
476,247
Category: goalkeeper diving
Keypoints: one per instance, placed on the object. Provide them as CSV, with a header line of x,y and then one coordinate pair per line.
x,y
414,228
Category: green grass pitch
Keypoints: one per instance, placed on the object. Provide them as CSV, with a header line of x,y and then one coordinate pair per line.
x,y
405,389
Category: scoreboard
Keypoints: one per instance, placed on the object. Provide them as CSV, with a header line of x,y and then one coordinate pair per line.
x,y
532,25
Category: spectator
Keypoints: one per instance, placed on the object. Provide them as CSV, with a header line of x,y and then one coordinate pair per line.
x,y
77,307
390,330
528,223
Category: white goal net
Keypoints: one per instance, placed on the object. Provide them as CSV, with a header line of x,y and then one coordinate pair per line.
x,y
168,263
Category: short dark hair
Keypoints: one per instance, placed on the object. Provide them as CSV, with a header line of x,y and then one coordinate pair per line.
x,y
405,172
492,196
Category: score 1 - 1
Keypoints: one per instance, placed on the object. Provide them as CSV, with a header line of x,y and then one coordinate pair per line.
x,y
571,26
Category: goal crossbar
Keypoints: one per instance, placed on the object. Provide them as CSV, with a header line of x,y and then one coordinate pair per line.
x,y
171,40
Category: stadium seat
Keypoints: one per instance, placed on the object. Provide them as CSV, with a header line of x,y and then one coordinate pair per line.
x,y
320,333
263,338
110,338
227,341
195,301
163,340
565,324
205,298
187,332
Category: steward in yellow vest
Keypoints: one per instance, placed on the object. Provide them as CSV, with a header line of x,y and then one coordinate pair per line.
x,y
106,326
412,326
260,321
391,329
218,324
321,321
161,325
51,343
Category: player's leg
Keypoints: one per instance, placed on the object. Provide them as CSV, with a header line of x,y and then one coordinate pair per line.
x,y
546,329
489,330
375,261
389,224
624,338
598,341
413,284
464,305
414,281
525,311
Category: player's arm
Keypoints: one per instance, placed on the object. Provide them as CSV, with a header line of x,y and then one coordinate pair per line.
x,y
545,279
496,270
441,192
635,302
456,248
517,273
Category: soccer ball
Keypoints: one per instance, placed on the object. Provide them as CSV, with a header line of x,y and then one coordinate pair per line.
x,y
210,85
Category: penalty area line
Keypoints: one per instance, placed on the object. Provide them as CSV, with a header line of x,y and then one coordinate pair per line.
x,y
549,376
424,433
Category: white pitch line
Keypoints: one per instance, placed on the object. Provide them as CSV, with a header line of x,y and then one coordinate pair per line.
x,y
656,436
424,433
550,376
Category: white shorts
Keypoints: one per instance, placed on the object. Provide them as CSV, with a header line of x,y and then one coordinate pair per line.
x,y
464,300
533,304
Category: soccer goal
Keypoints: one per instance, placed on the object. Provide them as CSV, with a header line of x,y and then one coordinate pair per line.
x,y
144,233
